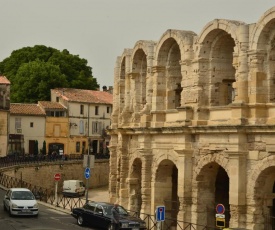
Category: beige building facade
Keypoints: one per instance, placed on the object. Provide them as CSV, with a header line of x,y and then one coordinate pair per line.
x,y
4,114
193,124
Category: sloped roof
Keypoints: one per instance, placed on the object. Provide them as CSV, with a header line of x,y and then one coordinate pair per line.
x,y
84,96
4,80
51,105
26,109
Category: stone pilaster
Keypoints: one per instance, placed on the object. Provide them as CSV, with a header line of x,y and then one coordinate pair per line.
x,y
146,173
184,185
240,62
237,188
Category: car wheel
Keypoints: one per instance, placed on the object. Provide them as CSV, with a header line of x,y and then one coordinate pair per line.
x,y
80,220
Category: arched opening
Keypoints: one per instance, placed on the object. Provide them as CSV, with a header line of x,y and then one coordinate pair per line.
x,y
139,67
213,189
266,43
264,195
217,83
169,57
166,191
135,199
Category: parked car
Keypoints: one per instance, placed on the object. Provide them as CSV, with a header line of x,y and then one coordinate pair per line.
x,y
99,214
73,188
20,201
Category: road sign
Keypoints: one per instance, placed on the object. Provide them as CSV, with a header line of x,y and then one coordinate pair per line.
x,y
160,213
57,176
220,216
87,173
220,209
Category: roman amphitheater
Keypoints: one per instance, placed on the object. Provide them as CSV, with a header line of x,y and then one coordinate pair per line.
x,y
193,124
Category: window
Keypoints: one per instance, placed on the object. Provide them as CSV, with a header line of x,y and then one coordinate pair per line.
x,y
81,127
17,123
31,124
77,147
57,99
96,127
108,109
96,110
82,109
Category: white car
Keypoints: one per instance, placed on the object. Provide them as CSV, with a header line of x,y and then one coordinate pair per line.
x,y
20,201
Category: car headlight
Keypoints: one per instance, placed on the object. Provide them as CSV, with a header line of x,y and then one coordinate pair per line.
x,y
36,205
14,205
124,225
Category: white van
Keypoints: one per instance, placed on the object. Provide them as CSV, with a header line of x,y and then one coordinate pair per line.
x,y
73,188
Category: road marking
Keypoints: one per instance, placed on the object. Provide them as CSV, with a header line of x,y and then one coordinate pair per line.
x,y
58,212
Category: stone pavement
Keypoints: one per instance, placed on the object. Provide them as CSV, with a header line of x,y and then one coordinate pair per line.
x,y
99,194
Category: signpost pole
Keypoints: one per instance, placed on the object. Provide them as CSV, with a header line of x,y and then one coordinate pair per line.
x,y
55,194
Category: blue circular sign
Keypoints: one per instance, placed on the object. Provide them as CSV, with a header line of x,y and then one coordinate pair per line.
x,y
220,209
87,173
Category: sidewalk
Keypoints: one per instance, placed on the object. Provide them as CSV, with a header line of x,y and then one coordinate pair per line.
x,y
99,194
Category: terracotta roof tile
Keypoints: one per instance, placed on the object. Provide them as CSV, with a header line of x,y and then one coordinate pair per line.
x,y
51,105
4,80
82,95
26,109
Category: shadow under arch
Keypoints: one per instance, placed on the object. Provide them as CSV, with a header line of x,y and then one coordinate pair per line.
x,y
166,190
134,183
212,188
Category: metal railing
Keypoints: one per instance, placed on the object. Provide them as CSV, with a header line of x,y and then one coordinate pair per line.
x,y
30,159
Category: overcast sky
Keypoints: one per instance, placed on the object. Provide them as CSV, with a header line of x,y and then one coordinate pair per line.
x,y
99,30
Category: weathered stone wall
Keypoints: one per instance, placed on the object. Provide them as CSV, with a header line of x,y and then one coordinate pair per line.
x,y
43,174
193,124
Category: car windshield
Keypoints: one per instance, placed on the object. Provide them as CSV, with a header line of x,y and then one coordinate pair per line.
x,y
22,195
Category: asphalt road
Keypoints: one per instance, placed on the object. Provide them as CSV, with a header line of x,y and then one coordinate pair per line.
x,y
48,219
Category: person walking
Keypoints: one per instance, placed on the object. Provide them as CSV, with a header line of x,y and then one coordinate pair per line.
x,y
115,217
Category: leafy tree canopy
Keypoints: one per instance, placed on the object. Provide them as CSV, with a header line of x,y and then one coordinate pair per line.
x,y
33,71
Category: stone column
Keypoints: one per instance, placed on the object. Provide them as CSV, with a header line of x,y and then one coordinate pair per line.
x,y
159,94
113,170
184,185
146,173
241,64
237,187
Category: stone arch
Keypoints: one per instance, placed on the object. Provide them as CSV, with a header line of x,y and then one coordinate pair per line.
x,y
173,47
141,61
217,46
261,192
134,184
211,186
263,46
165,185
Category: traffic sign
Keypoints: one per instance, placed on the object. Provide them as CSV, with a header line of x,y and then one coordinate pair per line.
x,y
220,209
57,176
160,213
87,173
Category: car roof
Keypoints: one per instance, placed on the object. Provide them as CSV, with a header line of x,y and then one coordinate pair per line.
x,y
19,189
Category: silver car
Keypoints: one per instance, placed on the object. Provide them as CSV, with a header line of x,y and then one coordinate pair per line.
x,y
20,201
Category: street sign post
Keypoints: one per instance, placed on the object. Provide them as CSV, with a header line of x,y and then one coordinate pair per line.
x,y
220,217
220,209
87,173
57,178
160,213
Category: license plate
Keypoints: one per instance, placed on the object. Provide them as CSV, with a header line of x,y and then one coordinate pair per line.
x,y
25,210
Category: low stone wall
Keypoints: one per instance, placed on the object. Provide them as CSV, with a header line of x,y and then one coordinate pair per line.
x,y
42,174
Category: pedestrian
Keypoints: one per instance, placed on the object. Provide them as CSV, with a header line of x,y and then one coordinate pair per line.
x,y
115,217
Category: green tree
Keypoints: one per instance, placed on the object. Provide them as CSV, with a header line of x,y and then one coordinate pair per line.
x,y
33,71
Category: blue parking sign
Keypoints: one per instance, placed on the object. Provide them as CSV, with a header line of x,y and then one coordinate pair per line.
x,y
160,213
